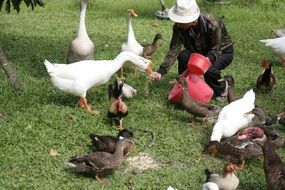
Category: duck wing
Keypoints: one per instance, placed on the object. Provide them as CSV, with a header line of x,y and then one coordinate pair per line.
x,y
93,163
103,143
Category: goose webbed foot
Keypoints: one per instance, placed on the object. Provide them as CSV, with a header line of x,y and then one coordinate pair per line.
x,y
82,103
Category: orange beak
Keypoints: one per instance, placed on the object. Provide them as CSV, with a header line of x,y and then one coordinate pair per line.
x,y
133,13
148,70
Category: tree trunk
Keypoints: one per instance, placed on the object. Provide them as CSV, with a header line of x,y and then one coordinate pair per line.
x,y
10,72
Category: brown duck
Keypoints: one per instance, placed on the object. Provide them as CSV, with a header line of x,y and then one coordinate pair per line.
x,y
266,80
242,146
108,143
195,107
149,49
100,163
273,166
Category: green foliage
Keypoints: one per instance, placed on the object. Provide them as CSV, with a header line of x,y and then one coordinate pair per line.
x,y
16,4
42,118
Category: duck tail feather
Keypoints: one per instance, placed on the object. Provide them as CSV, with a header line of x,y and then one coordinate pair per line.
x,y
49,66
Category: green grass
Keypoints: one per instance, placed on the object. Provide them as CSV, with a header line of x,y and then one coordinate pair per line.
x,y
42,117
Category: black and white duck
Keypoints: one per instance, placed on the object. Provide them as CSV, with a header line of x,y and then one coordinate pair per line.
x,y
107,143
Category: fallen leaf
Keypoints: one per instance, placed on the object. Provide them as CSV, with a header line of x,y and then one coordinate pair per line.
x,y
53,152
28,127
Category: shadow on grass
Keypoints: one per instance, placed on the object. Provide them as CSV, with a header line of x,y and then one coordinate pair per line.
x,y
32,52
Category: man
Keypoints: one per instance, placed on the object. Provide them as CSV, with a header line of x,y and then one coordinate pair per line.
x,y
198,33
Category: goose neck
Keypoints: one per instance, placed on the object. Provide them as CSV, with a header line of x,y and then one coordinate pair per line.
x,y
82,27
131,35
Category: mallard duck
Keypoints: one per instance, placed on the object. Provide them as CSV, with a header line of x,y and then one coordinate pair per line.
x,y
81,48
210,186
149,49
266,80
128,91
227,181
117,109
229,79
279,32
278,45
273,166
77,78
100,163
193,106
108,143
234,117
131,45
244,145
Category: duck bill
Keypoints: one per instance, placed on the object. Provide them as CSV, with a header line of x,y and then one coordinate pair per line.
x,y
133,13
248,113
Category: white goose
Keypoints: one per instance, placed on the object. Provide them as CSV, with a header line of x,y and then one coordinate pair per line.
x,y
81,48
131,45
77,78
234,117
278,45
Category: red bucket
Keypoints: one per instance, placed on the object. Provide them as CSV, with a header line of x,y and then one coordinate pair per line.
x,y
198,64
198,89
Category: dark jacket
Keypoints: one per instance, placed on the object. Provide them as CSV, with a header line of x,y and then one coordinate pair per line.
x,y
211,40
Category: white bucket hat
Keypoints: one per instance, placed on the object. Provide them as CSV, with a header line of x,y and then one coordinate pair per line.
x,y
184,11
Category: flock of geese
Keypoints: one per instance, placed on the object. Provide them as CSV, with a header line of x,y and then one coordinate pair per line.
x,y
82,72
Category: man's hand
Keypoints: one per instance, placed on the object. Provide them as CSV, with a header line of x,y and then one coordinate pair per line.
x,y
154,76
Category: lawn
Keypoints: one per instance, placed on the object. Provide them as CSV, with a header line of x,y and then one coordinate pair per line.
x,y
41,118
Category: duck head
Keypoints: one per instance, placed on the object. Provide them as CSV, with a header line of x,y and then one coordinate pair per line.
x,y
265,64
259,112
230,168
125,133
212,148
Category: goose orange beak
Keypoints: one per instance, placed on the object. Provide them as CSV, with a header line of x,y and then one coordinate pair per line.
x,y
133,13
148,70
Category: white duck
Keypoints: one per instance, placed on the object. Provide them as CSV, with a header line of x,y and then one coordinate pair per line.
x,y
127,91
81,48
210,186
278,45
77,78
131,45
234,117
